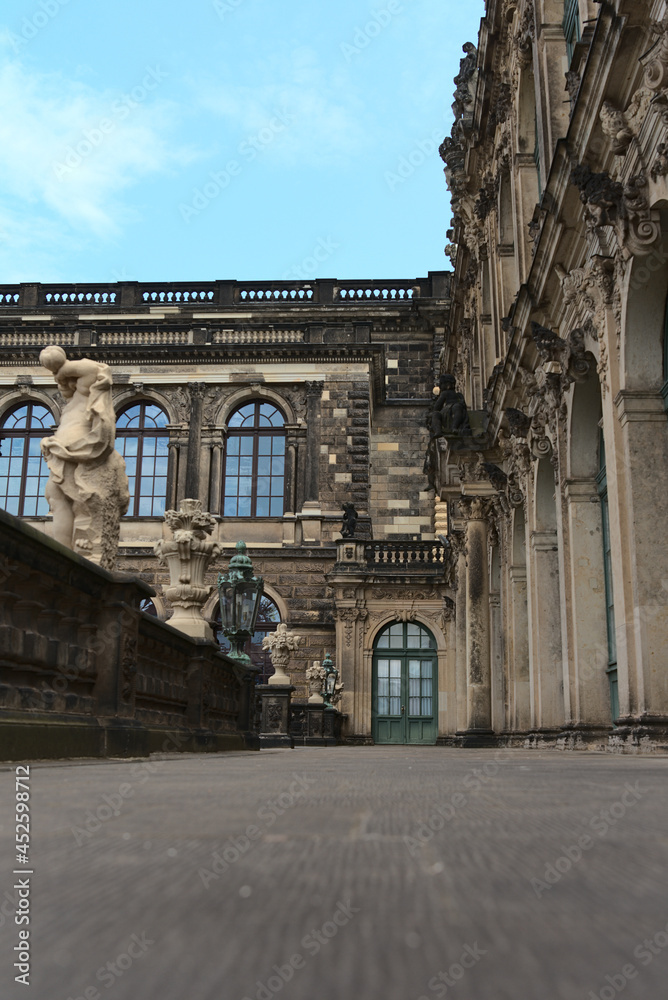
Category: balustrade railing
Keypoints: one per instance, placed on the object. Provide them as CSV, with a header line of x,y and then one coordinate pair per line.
x,y
403,556
132,295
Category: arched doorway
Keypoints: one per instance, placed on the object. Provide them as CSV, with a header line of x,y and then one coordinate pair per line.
x,y
405,685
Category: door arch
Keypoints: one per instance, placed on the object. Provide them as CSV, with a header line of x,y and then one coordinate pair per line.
x,y
405,685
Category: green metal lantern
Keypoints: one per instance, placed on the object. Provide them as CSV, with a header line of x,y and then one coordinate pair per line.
x,y
240,593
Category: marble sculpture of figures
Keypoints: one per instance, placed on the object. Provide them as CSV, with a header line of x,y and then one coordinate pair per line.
x,y
87,489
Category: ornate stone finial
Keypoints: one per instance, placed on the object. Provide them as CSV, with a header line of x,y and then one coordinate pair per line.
x,y
281,645
350,519
87,489
187,556
315,675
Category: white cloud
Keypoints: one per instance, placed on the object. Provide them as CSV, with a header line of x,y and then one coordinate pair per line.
x,y
69,151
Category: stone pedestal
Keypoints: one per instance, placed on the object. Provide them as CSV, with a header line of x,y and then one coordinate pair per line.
x,y
275,715
316,725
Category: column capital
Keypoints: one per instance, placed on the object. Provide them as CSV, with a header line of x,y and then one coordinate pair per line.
x,y
475,508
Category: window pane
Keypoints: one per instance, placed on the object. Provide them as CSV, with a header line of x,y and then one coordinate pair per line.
x,y
233,446
244,509
262,507
264,445
264,466
263,486
277,506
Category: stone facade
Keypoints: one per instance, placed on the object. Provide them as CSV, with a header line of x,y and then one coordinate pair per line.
x,y
558,171
350,365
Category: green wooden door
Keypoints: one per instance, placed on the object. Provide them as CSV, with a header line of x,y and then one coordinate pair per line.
x,y
405,685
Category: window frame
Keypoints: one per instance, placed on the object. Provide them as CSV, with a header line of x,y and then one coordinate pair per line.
x,y
571,26
141,433
26,434
256,432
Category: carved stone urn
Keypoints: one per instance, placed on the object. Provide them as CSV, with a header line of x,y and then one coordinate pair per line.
x,y
187,556
315,675
281,645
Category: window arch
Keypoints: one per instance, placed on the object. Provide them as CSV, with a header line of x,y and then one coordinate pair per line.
x,y
23,471
268,619
143,442
254,477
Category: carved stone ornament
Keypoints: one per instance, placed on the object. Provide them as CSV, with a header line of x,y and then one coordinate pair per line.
x,y
626,207
616,127
474,508
187,556
281,645
315,678
525,34
655,62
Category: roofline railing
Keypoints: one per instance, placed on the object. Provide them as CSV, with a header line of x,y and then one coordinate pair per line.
x,y
132,295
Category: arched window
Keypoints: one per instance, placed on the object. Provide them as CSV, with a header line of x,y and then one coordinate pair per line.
x,y
23,471
254,484
143,442
268,618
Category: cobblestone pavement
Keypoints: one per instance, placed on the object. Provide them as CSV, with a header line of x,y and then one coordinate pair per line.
x,y
394,873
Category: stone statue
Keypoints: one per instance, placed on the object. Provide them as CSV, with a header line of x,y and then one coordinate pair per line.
x,y
87,489
350,519
449,413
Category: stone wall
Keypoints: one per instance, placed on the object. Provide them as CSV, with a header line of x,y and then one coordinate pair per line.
x,y
84,673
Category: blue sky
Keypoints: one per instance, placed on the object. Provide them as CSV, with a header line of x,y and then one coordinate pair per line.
x,y
252,139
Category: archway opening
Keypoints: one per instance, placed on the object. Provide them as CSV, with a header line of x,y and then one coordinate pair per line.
x,y
405,685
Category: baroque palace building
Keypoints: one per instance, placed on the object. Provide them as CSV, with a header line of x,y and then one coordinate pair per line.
x,y
558,168
507,580
275,404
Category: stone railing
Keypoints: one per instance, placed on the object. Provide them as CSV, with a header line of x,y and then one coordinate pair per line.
x,y
402,557
84,673
133,295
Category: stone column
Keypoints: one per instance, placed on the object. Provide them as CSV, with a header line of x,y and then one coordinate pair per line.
x,y
637,490
547,692
520,712
460,641
479,702
216,478
588,632
194,440
312,462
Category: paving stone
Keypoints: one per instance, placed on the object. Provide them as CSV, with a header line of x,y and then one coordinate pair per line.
x,y
407,861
